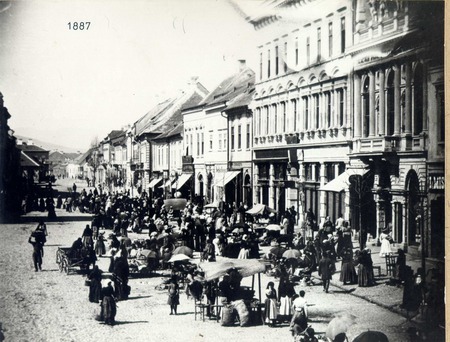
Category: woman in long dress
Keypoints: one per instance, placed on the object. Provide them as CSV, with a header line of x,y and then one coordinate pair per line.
x,y
365,269
270,305
285,293
348,272
108,306
95,288
385,243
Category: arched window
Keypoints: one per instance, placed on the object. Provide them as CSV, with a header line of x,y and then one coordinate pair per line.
x,y
365,107
390,104
418,100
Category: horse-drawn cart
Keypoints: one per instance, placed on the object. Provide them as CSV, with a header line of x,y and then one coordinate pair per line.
x,y
69,259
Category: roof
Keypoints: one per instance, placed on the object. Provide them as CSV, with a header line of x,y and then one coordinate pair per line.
x,y
241,100
30,148
84,157
232,86
166,117
27,161
177,130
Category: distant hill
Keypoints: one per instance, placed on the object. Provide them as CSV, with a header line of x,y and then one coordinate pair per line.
x,y
47,145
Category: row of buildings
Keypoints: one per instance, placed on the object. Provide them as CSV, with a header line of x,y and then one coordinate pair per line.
x,y
344,115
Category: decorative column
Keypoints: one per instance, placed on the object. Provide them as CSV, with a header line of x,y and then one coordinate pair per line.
x,y
397,100
322,194
371,104
408,125
381,109
272,186
336,170
357,106
256,186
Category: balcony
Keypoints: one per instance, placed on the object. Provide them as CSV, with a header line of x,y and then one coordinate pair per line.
x,y
390,144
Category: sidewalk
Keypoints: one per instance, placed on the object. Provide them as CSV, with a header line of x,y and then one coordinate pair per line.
x,y
387,296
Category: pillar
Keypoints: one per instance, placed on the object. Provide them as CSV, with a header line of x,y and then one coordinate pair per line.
x,y
397,100
357,106
382,104
256,187
336,170
322,194
271,186
408,121
371,104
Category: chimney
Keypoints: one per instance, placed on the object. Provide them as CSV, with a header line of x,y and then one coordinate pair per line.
x,y
30,142
241,65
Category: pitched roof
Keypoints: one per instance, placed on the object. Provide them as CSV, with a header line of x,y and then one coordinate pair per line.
x,y
232,86
241,100
31,148
170,116
177,130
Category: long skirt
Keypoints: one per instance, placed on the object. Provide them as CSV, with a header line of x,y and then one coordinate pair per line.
x,y
95,291
385,248
271,310
109,310
365,276
348,273
100,247
285,312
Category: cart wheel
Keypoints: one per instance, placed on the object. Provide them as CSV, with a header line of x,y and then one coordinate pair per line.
x,y
61,265
57,257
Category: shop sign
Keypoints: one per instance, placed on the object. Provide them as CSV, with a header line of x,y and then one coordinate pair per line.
x,y
436,182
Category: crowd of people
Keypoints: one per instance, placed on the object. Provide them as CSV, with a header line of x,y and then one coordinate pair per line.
x,y
228,231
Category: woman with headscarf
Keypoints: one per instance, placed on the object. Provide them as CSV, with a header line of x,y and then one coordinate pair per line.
x,y
108,305
270,305
348,272
365,268
100,247
95,287
285,293
87,237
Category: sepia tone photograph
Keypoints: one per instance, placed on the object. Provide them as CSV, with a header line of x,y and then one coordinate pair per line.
x,y
222,170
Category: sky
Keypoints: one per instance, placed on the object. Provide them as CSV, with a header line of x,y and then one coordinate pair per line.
x,y
69,86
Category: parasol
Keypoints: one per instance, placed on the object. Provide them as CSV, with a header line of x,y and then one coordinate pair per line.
x,y
339,325
175,203
291,254
277,251
273,227
162,236
179,257
260,209
148,253
212,205
183,250
371,336
245,267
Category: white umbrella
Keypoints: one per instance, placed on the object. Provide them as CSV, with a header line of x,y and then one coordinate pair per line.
x,y
273,227
179,257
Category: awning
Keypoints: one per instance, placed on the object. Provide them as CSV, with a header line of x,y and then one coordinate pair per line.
x,y
154,182
181,181
227,177
168,183
342,182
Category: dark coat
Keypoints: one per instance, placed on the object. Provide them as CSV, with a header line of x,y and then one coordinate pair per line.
x,y
326,268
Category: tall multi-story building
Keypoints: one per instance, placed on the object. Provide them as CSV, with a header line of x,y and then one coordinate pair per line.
x,y
302,125
348,114
398,118
206,136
